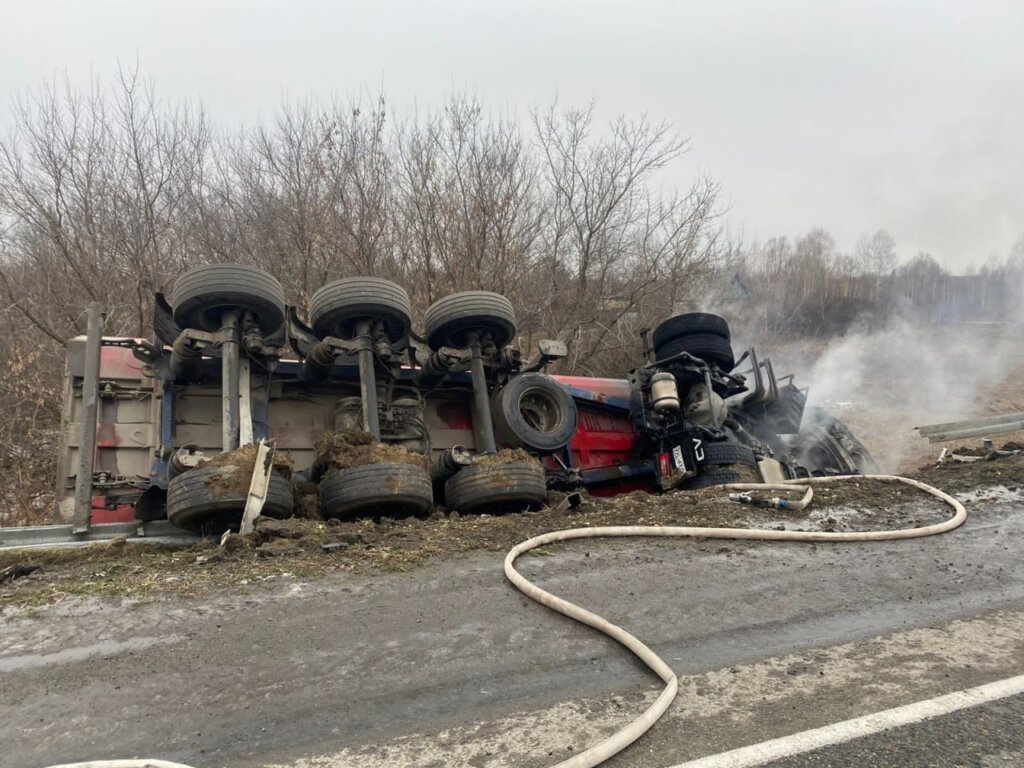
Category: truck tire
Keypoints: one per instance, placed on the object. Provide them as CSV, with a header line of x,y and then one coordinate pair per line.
x,y
708,347
494,488
688,324
729,453
193,505
335,308
387,489
201,295
450,320
534,411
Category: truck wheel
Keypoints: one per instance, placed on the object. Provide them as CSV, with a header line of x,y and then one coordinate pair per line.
x,y
335,308
450,320
712,476
828,447
374,490
493,488
201,295
688,324
194,504
706,346
729,453
534,411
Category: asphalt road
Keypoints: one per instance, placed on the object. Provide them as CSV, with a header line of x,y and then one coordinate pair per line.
x,y
447,665
987,736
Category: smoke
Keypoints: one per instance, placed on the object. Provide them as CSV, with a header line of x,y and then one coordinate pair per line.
x,y
883,384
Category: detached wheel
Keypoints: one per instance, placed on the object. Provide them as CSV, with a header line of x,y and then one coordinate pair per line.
x,y
708,347
689,324
335,309
450,321
376,490
494,488
534,411
202,295
196,501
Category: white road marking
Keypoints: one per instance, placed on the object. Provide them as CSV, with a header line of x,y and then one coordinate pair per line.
x,y
838,733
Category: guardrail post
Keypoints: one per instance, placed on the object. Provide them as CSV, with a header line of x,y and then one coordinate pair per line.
x,y
90,402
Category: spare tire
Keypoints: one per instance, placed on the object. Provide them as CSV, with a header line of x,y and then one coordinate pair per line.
x,y
201,295
690,323
534,411
708,347
449,321
193,502
493,488
388,489
335,308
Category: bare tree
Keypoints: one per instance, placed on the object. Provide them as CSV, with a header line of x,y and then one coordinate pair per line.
x,y
92,188
469,212
610,242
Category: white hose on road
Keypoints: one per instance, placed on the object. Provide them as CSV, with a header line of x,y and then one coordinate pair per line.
x,y
627,735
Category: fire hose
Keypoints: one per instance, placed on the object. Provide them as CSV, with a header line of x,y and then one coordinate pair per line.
x,y
622,738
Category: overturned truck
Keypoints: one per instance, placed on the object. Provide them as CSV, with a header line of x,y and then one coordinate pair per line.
x,y
457,416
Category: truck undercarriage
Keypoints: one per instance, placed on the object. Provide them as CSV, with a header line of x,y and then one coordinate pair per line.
x,y
475,425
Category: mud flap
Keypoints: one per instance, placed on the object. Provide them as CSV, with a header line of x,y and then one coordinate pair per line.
x,y
680,461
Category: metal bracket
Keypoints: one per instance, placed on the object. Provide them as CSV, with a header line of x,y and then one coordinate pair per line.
x,y
142,350
258,487
187,457
548,350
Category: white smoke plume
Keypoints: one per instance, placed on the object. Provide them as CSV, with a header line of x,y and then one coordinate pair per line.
x,y
886,383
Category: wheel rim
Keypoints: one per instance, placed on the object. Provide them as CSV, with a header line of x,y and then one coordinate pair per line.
x,y
540,410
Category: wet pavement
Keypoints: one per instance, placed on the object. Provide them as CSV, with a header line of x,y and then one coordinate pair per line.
x,y
447,665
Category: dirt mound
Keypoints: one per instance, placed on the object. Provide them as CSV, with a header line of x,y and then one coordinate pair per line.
x,y
352,448
237,468
954,476
310,548
307,548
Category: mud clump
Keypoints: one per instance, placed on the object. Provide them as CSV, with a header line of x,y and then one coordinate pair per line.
x,y
349,448
963,450
505,456
307,501
236,470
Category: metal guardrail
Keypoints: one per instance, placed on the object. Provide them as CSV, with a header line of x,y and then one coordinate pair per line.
x,y
63,536
981,427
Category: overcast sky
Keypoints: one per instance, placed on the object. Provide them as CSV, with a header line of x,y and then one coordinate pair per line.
x,y
852,116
